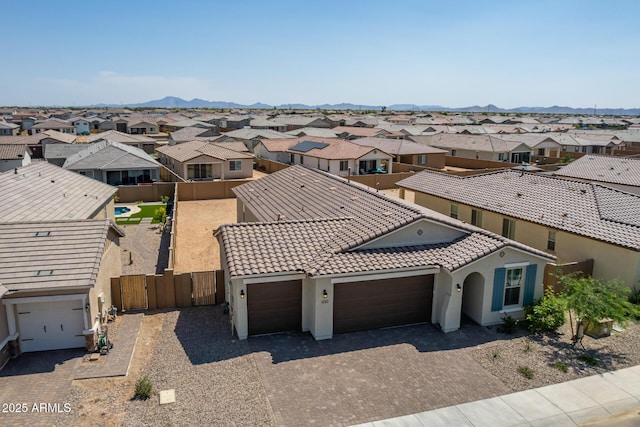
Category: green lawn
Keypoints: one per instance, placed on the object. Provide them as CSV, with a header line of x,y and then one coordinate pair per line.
x,y
145,212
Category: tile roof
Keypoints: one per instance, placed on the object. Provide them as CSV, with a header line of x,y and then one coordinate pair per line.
x,y
110,155
192,149
315,223
36,138
321,132
62,151
5,125
42,191
53,123
587,209
397,146
52,254
12,151
114,135
614,170
359,131
247,133
486,143
335,148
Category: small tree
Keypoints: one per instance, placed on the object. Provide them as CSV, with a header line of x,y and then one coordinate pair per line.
x,y
590,300
160,215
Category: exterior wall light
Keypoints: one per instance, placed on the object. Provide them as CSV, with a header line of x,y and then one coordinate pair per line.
x,y
458,288
325,295
242,293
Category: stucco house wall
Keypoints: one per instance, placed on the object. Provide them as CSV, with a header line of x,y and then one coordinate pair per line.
x,y
610,261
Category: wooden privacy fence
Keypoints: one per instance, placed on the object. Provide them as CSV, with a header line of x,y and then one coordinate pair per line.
x,y
551,271
157,291
134,293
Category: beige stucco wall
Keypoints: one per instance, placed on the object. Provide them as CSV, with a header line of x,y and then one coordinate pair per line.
x,y
111,266
418,233
106,211
610,261
246,170
448,302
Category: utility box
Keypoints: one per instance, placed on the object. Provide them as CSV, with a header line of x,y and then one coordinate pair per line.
x,y
600,329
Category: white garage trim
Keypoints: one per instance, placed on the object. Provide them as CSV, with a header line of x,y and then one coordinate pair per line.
x,y
11,316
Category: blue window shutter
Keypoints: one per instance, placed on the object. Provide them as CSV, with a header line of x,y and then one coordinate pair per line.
x,y
499,276
530,284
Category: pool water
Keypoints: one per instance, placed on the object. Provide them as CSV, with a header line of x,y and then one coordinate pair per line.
x,y
122,210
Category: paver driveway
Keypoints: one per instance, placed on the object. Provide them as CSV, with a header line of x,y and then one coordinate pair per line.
x,y
371,375
38,378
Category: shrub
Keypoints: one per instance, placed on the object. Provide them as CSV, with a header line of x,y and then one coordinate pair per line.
x,y
546,314
528,346
561,366
526,372
634,296
588,359
144,388
164,199
509,324
160,215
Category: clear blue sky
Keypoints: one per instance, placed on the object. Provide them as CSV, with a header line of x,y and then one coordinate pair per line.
x,y
451,53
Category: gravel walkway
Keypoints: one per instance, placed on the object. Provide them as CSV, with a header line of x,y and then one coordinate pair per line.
x,y
216,382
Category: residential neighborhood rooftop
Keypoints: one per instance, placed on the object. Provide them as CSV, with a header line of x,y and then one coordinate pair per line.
x,y
108,155
12,151
609,169
190,150
316,223
52,254
42,191
582,208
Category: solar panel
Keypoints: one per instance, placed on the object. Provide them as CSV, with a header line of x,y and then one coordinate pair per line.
x,y
305,146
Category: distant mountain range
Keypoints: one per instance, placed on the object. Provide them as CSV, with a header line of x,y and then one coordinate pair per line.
x,y
175,102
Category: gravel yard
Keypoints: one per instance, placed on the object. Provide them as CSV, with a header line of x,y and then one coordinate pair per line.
x,y
290,379
552,358
216,382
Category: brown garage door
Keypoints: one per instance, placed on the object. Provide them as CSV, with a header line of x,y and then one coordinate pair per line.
x,y
274,307
359,306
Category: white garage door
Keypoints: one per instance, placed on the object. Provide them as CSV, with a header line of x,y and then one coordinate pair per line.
x,y
51,325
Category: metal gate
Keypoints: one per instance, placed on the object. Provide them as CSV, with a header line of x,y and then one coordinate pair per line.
x,y
203,287
134,292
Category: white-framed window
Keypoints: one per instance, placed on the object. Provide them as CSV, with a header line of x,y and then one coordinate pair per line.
x,y
551,240
453,152
235,165
87,173
540,151
501,157
508,228
476,217
454,211
422,159
344,165
513,286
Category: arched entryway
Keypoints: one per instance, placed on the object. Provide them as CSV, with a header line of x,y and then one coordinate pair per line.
x,y
472,297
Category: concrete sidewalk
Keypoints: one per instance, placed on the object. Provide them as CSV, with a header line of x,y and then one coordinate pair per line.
x,y
586,400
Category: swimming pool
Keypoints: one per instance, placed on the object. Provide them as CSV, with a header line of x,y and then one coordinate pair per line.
x,y
122,210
